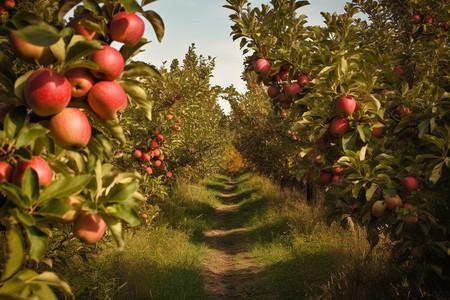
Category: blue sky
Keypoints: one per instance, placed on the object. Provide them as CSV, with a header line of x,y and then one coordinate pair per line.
x,y
206,23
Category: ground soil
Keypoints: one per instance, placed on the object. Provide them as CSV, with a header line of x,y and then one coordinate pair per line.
x,y
229,270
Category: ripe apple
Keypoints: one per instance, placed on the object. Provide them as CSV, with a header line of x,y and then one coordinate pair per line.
x,y
81,81
148,170
336,178
336,169
109,61
144,216
157,163
169,174
146,156
89,228
416,19
338,126
324,178
262,67
410,184
106,98
157,152
293,89
175,127
160,137
427,19
70,128
127,28
178,121
391,203
5,171
41,167
302,79
137,154
154,144
75,203
169,117
47,92
283,74
443,25
29,52
273,91
80,29
379,208
378,131
399,70
345,105
9,4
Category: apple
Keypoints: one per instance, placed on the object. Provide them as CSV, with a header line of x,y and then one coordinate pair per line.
x,y
144,216
70,128
179,121
47,92
80,29
154,144
157,163
293,89
148,170
443,25
394,202
416,19
410,184
75,203
378,131
283,74
157,152
89,228
345,105
302,79
146,156
399,70
415,252
427,19
336,169
127,28
109,61
273,91
160,137
338,126
169,117
137,153
379,208
169,174
41,167
161,157
106,98
336,178
2,10
175,127
81,81
5,171
9,4
30,53
262,67
324,178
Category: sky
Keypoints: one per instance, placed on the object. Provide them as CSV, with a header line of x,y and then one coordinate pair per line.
x,y
206,23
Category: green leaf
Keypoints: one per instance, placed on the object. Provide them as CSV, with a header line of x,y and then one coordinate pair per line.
x,y
390,192
38,242
370,191
15,194
120,193
25,219
299,4
115,226
139,97
38,35
362,135
349,140
30,184
129,52
14,121
64,7
23,153
157,23
141,69
59,50
15,250
127,214
51,279
92,6
145,2
131,6
19,86
64,187
439,142
54,207
436,172
29,133
79,48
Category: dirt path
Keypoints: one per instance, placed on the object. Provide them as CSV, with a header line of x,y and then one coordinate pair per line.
x,y
229,267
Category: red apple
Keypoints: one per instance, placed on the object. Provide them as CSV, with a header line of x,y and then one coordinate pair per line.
x,y
336,178
379,208
324,178
106,98
293,89
109,61
89,228
178,121
160,137
157,152
283,74
5,171
169,174
443,25
302,79
399,70
336,169
81,81
29,52
427,19
416,19
157,163
154,144
80,29
338,126
146,156
70,128
127,28
345,105
9,4
410,184
41,167
2,10
415,252
175,127
169,117
137,154
148,170
378,131
394,202
144,216
273,91
47,92
262,67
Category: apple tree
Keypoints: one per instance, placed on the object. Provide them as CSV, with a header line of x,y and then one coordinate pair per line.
x,y
63,88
